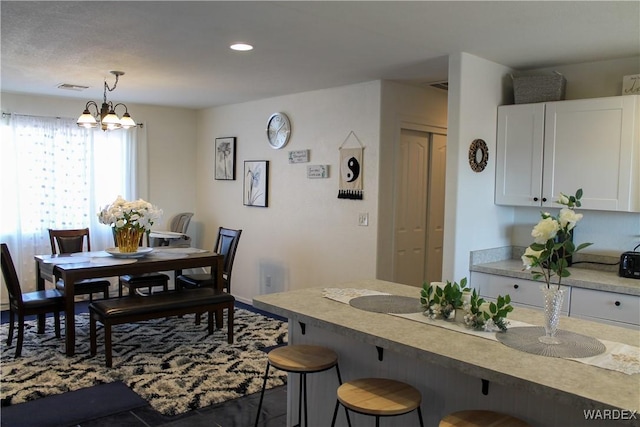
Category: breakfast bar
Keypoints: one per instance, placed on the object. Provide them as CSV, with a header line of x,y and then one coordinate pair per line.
x,y
455,371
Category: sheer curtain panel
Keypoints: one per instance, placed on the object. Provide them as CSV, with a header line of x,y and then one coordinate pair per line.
x,y
57,175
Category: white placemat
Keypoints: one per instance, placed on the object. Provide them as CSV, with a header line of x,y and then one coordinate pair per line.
x,y
113,261
179,250
66,260
345,295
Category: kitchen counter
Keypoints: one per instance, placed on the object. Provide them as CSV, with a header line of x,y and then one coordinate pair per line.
x,y
570,387
580,277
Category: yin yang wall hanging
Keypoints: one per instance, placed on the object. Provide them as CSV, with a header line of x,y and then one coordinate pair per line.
x,y
351,170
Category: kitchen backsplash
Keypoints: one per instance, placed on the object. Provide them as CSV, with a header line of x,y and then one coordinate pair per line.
x,y
580,260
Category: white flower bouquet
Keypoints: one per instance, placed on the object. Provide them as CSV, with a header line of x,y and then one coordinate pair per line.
x,y
129,220
123,214
553,241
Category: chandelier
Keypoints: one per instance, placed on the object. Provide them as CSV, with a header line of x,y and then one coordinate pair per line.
x,y
106,116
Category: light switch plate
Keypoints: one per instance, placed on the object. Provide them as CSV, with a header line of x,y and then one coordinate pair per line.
x,y
363,219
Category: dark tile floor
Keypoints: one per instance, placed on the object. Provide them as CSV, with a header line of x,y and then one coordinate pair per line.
x,y
233,413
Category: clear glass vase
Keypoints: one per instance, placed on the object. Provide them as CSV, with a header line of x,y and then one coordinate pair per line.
x,y
553,298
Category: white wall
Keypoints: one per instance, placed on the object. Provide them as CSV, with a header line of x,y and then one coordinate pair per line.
x,y
472,220
171,141
307,236
596,79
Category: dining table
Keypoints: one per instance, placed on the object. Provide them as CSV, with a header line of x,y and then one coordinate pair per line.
x,y
71,268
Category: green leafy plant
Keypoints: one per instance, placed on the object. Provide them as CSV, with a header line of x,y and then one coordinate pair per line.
x,y
442,301
488,315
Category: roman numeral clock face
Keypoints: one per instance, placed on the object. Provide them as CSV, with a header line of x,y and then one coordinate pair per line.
x,y
278,130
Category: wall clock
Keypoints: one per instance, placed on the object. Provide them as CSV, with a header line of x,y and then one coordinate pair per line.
x,y
478,155
278,130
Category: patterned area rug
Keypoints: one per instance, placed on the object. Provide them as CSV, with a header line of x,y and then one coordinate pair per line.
x,y
172,363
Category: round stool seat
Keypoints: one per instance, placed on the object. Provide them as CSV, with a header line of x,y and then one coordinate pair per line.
x,y
477,418
379,396
303,358
300,359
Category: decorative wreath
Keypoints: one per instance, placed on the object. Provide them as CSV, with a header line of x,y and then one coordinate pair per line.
x,y
478,146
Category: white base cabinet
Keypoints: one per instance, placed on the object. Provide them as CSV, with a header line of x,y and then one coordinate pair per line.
x,y
600,306
547,148
608,306
525,293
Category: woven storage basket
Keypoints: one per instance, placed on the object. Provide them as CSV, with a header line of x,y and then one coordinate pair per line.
x,y
538,88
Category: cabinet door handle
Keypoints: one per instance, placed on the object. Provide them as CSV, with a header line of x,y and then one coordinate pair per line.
x,y
618,303
535,199
516,286
544,199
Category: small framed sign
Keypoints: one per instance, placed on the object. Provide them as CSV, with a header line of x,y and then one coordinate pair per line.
x,y
317,171
300,156
631,85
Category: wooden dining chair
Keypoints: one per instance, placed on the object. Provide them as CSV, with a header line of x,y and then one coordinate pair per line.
x,y
29,303
226,245
68,241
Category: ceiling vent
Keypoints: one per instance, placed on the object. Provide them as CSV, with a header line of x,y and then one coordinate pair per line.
x,y
69,86
440,85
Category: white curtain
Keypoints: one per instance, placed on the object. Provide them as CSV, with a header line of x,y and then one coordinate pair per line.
x,y
57,175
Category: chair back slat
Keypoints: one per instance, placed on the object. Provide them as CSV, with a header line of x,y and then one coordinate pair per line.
x,y
227,245
69,241
10,277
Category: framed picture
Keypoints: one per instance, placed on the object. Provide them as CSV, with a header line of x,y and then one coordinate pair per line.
x,y
256,183
225,155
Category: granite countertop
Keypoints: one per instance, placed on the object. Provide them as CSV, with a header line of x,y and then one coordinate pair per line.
x,y
580,277
569,381
597,272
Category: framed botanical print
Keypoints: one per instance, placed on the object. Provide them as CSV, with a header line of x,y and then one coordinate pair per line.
x,y
256,183
225,155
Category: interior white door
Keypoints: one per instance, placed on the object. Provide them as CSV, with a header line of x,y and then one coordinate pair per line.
x,y
435,215
416,216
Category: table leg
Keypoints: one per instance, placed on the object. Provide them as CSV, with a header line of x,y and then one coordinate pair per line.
x,y
40,286
70,314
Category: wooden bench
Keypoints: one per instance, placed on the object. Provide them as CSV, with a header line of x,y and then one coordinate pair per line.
x,y
115,311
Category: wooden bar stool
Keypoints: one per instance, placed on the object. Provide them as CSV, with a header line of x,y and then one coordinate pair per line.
x,y
378,397
303,360
478,418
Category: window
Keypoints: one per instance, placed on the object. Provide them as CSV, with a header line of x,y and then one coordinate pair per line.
x,y
57,175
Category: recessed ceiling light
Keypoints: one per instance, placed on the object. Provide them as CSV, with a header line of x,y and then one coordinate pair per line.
x,y
241,47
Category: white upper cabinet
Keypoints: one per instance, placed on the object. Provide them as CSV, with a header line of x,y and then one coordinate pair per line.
x,y
519,155
546,148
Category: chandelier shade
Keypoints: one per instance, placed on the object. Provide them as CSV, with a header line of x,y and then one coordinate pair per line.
x,y
105,117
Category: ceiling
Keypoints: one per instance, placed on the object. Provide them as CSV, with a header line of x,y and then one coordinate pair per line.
x,y
176,53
